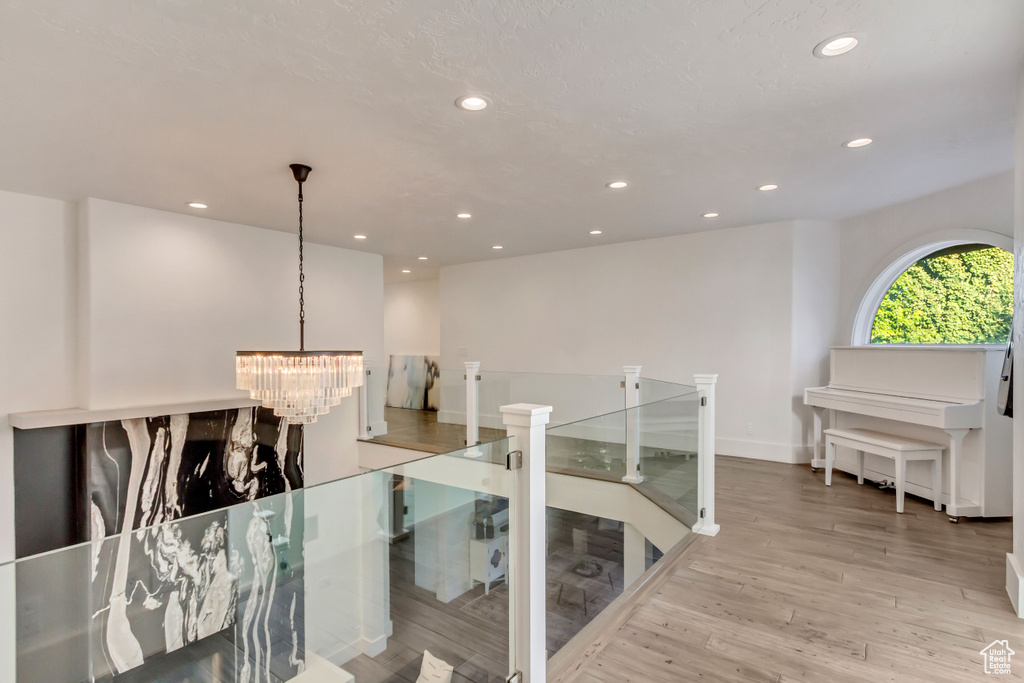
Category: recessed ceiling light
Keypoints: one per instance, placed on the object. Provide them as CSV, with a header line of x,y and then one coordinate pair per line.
x,y
711,215
859,142
497,246
595,232
471,103
198,205
618,184
360,237
423,258
768,188
835,46
464,215
406,271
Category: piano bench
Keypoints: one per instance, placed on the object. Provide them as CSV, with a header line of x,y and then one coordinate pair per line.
x,y
898,448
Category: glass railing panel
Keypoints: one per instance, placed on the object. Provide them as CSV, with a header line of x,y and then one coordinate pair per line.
x,y
595,447
668,441
52,615
453,397
358,575
585,573
573,397
448,567
8,631
654,390
376,388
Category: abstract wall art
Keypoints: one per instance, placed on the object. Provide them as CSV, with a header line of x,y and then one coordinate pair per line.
x,y
414,382
195,534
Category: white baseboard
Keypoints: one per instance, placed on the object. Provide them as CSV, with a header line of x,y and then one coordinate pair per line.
x,y
764,450
371,647
451,417
378,429
374,646
1014,582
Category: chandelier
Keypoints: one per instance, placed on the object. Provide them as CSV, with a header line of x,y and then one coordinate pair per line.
x,y
299,385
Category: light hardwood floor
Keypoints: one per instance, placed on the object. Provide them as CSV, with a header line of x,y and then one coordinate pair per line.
x,y
813,583
419,430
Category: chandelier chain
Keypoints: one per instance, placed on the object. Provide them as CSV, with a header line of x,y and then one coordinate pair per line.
x,y
302,280
299,385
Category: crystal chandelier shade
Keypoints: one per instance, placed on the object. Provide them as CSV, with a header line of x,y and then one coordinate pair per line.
x,y
299,385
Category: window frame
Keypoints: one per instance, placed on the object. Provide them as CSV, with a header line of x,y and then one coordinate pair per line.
x,y
884,280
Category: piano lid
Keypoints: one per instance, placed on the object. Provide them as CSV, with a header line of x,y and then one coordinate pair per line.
x,y
944,414
939,373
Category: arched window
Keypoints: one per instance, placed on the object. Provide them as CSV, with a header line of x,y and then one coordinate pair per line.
x,y
961,294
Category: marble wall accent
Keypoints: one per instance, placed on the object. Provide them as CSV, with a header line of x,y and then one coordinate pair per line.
x,y
189,464
190,540
414,382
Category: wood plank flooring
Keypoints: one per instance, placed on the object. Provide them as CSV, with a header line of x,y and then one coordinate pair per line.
x,y
419,430
813,583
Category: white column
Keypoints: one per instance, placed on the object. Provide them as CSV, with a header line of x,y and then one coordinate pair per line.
x,y
632,384
364,406
706,455
472,404
528,538
634,554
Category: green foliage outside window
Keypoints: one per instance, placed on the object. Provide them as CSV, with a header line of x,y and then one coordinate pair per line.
x,y
964,297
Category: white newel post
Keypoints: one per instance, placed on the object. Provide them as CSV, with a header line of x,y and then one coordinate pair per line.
x,y
364,407
472,404
706,455
525,424
632,385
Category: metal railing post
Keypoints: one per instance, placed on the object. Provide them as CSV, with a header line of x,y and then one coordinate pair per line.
x,y
632,387
472,403
706,455
364,406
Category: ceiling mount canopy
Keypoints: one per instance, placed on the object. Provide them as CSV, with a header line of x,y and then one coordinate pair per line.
x,y
299,385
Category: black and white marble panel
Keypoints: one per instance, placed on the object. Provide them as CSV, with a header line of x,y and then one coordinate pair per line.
x,y
186,552
190,464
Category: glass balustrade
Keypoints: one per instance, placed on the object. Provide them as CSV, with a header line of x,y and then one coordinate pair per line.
x,y
357,578
669,432
348,580
594,447
655,390
600,539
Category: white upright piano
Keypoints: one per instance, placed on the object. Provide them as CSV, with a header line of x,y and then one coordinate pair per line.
x,y
941,394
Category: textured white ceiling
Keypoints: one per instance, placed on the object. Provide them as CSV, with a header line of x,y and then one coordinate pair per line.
x,y
695,103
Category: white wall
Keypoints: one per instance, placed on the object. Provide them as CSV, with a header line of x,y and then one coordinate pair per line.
x,y
871,242
816,268
37,307
718,301
37,336
171,297
412,318
1014,569
109,305
166,299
